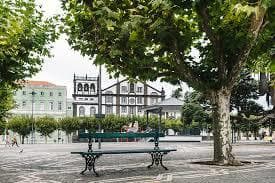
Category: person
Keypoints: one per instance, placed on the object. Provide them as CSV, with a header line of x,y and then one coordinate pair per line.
x,y
7,141
14,142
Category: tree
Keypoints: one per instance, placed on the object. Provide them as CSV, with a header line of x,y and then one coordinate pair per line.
x,y
196,111
177,93
25,37
243,102
2,127
20,125
46,125
69,125
156,39
6,101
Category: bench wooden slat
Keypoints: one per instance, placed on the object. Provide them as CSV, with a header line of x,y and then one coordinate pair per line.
x,y
110,135
119,151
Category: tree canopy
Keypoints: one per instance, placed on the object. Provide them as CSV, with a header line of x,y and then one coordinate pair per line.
x,y
204,43
25,37
20,125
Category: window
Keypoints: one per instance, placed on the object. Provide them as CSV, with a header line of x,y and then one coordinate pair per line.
x,y
24,103
86,87
79,87
123,109
42,107
124,100
124,89
23,92
92,87
154,99
139,89
132,101
42,93
59,107
92,111
132,88
51,106
109,98
85,98
51,94
69,108
81,111
139,109
131,110
139,100
109,110
59,94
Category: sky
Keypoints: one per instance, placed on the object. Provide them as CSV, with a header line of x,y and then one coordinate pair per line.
x,y
60,68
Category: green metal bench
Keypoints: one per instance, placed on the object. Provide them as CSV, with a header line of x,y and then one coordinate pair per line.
x,y
91,156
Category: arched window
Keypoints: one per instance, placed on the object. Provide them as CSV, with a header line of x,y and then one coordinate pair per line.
x,y
92,87
92,111
132,88
81,111
86,87
79,87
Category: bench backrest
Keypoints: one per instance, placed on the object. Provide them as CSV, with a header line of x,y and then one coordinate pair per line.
x,y
110,135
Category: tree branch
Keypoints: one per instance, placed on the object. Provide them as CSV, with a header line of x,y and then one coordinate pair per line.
x,y
255,29
215,39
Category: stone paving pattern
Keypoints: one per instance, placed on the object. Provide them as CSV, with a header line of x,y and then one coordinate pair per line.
x,y
53,163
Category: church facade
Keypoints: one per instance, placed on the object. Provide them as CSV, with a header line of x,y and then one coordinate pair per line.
x,y
121,98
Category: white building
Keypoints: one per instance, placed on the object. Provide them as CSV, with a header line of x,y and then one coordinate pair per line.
x,y
121,98
41,98
171,107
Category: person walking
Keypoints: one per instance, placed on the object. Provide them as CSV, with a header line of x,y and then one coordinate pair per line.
x,y
7,141
14,142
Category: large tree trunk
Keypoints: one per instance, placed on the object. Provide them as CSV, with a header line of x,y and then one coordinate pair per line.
x,y
222,127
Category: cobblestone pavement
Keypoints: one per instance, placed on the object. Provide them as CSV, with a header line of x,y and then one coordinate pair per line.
x,y
53,163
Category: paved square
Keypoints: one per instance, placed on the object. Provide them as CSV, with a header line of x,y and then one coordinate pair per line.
x,y
53,163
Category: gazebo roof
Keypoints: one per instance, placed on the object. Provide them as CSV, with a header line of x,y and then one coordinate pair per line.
x,y
167,104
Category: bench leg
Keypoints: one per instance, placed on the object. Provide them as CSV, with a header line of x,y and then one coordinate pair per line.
x,y
90,163
157,159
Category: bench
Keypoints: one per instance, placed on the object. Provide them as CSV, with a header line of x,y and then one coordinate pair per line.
x,y
91,155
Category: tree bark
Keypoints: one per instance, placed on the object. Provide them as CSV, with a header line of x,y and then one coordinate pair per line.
x,y
221,127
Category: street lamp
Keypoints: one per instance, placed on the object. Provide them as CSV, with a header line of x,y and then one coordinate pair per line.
x,y
32,135
233,113
99,104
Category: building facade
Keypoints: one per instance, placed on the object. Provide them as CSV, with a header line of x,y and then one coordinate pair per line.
x,y
121,98
42,98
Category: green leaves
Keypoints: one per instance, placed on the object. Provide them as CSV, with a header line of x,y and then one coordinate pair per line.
x,y
25,37
20,124
45,125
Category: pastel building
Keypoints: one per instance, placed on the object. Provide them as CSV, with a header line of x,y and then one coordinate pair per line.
x,y
42,98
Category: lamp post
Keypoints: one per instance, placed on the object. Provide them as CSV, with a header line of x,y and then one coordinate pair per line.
x,y
233,113
99,105
32,135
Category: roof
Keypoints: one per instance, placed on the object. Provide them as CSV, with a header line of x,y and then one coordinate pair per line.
x,y
39,83
127,80
167,104
170,101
